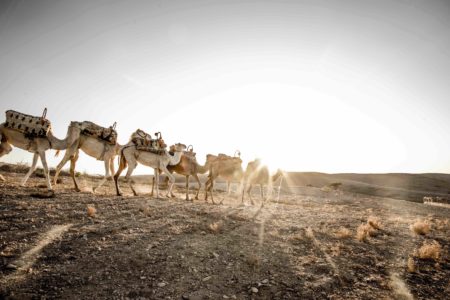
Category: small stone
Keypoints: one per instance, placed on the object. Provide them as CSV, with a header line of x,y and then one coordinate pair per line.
x,y
185,297
225,297
254,290
206,278
162,284
265,281
216,255
11,267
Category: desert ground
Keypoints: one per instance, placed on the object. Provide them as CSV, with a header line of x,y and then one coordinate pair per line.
x,y
314,243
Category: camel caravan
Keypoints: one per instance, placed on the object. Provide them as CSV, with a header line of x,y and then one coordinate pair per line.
x,y
34,134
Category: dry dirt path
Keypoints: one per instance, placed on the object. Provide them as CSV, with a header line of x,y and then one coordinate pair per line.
x,y
145,248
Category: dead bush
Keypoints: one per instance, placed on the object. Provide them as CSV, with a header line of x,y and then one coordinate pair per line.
x,y
91,211
365,231
375,222
411,265
253,261
145,210
216,227
430,250
343,233
421,227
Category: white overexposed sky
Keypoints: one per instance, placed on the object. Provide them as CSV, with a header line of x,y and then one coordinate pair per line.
x,y
328,86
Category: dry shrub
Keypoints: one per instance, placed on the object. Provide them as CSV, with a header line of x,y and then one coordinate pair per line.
x,y
364,231
145,210
336,249
309,233
91,211
430,250
411,265
216,227
343,233
441,225
421,227
375,222
253,261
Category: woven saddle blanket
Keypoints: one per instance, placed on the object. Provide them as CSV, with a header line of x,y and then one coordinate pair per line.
x,y
30,126
144,142
108,134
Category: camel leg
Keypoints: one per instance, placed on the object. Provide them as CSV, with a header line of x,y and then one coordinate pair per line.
x,y
73,162
156,181
107,167
249,192
67,156
171,179
167,183
209,185
46,171
5,148
153,186
31,170
228,188
122,166
187,187
131,167
111,168
199,185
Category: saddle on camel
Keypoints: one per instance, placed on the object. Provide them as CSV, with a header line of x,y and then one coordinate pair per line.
x,y
144,142
31,126
108,134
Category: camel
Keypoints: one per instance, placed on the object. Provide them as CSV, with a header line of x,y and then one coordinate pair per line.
x,y
37,145
255,173
227,167
187,166
94,147
132,156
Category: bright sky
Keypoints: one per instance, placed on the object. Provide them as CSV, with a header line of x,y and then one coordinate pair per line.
x,y
327,86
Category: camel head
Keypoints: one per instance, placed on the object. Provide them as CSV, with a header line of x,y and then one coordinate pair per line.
x,y
278,174
178,147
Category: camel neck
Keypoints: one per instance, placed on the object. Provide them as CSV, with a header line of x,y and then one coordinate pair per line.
x,y
175,159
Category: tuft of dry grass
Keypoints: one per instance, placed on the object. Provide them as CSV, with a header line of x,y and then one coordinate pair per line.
x,y
343,233
421,227
91,211
411,265
430,250
216,227
253,261
375,222
309,233
145,210
364,231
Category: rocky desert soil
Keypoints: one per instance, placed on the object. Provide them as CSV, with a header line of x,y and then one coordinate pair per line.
x,y
100,246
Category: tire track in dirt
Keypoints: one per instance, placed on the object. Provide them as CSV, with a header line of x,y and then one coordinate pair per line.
x,y
22,265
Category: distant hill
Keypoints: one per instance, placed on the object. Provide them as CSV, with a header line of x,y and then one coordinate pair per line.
x,y
405,186
412,187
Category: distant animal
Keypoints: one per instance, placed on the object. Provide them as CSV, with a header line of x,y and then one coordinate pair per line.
x,y
187,166
224,166
131,156
258,174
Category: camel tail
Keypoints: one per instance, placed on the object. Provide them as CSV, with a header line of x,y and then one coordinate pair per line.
x,y
122,160
57,153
